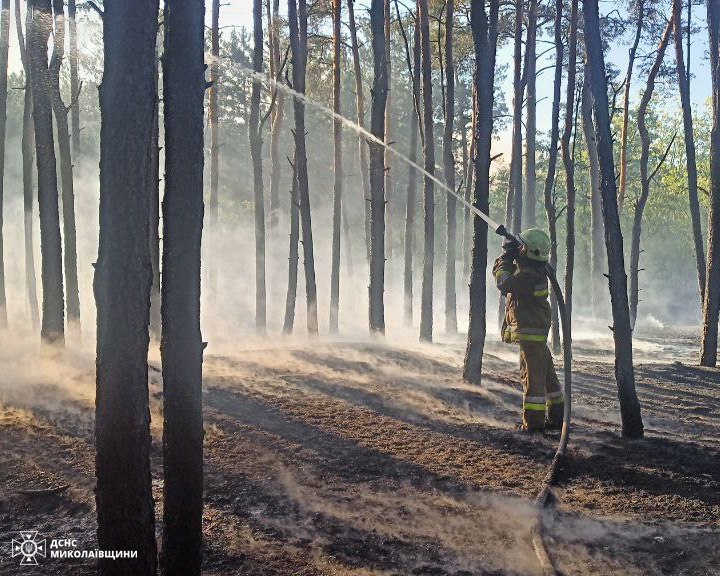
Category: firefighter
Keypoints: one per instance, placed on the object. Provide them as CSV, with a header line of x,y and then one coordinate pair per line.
x,y
520,276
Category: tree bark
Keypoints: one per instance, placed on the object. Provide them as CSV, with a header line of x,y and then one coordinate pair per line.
x,y
4,51
256,143
410,208
377,168
597,269
568,158
154,237
426,303
549,189
277,117
449,172
213,113
28,143
684,89
529,203
632,425
513,208
337,172
626,104
485,34
182,347
126,518
297,15
360,104
74,79
53,317
469,177
293,254
389,190
645,177
711,307
66,171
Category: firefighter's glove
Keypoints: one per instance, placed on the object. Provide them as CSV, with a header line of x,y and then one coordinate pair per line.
x,y
511,249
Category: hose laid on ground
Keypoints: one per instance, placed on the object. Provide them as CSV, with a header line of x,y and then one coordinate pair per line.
x,y
543,497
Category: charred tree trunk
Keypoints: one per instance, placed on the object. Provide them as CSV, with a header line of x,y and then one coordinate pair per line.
x,y
256,143
513,209
360,104
213,112
182,347
469,178
28,143
4,51
426,303
293,254
711,307
684,89
449,172
529,217
53,317
632,425
377,168
297,15
74,79
597,268
66,171
549,189
626,104
568,157
337,172
278,115
412,181
126,517
388,138
645,177
154,237
485,35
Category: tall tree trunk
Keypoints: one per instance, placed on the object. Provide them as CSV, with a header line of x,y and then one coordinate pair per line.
x,y
449,172
529,204
645,178
426,303
568,157
277,117
711,307
626,104
389,190
360,104
182,347
4,51
28,144
256,143
293,254
213,112
549,189
485,35
632,425
337,172
598,289
53,317
410,208
297,15
377,168
125,508
66,171
74,79
469,177
684,88
154,237
513,208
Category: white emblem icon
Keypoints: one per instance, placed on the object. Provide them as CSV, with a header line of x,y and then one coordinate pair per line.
x,y
30,547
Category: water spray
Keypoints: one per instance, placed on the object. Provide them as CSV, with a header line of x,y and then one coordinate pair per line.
x,y
543,498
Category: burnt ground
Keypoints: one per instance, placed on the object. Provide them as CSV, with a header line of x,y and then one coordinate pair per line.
x,y
370,459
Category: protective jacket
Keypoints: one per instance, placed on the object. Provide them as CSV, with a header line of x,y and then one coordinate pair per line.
x,y
527,310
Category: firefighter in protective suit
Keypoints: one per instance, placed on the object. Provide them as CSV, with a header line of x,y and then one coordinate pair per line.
x,y
520,276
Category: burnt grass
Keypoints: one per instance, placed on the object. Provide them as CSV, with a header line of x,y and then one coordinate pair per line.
x,y
366,459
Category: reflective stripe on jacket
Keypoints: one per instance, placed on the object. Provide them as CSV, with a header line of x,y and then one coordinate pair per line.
x,y
527,310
